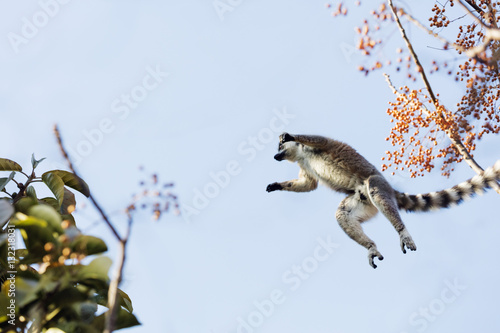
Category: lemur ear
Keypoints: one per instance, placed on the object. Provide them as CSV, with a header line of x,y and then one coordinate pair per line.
x,y
285,137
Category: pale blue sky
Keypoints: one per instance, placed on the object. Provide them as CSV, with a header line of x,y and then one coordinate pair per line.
x,y
206,91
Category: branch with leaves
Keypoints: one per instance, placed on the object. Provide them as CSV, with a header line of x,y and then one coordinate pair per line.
x,y
61,277
49,285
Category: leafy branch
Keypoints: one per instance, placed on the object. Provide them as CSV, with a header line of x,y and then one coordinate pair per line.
x,y
53,287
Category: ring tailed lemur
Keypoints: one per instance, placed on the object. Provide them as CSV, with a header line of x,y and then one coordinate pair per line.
x,y
338,166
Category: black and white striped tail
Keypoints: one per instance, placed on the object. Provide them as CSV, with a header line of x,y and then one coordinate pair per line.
x,y
451,196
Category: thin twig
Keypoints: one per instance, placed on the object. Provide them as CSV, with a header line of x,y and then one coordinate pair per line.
x,y
91,197
389,82
455,139
430,32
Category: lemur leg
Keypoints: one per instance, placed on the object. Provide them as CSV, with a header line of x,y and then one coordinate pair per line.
x,y
303,184
383,197
351,213
313,141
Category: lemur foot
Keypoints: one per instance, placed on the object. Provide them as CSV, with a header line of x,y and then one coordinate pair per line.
x,y
406,240
372,253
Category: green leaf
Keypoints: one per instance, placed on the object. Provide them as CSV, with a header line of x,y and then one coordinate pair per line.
x,y
57,330
24,204
5,181
8,165
6,211
34,162
88,245
4,303
49,214
30,191
35,233
23,221
73,326
88,310
71,180
124,319
69,202
26,291
51,202
55,184
97,269
70,219
123,299
126,302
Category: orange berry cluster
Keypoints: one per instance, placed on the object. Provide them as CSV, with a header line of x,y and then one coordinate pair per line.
x,y
369,41
340,8
155,197
418,131
439,20
421,123
480,103
408,118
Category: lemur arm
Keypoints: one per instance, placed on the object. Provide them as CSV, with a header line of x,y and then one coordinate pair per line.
x,y
304,183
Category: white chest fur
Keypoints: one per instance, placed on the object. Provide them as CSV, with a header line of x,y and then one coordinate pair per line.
x,y
329,173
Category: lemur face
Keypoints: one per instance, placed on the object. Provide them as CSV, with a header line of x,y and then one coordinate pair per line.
x,y
288,151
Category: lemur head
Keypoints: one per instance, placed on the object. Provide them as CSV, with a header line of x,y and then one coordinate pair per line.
x,y
288,151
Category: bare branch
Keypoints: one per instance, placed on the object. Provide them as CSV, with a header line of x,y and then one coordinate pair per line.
x,y
420,68
113,305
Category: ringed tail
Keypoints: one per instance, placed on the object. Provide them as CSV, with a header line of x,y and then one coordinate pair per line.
x,y
452,196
